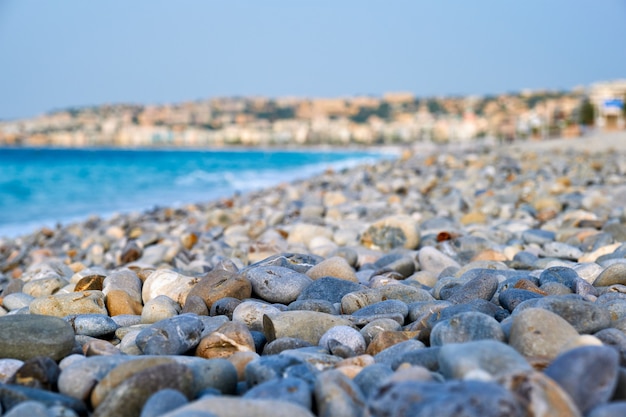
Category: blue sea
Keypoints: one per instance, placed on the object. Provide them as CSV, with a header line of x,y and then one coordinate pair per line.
x,y
45,187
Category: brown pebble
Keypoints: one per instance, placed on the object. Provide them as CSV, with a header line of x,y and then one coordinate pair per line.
x,y
229,338
524,284
119,302
90,282
386,339
98,347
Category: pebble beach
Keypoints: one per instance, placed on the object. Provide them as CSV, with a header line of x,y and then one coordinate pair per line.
x,y
477,280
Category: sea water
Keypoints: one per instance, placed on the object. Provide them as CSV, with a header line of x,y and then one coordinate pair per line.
x,y
44,187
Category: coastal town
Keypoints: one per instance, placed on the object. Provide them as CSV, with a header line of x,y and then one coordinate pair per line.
x,y
393,118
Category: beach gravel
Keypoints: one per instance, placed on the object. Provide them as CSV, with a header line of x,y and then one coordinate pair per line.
x,y
475,280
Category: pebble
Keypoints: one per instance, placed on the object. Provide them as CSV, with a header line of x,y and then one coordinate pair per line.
x,y
466,327
346,336
588,374
171,336
337,395
229,338
276,284
61,305
442,283
288,389
335,267
448,399
536,332
163,401
159,308
494,358
31,335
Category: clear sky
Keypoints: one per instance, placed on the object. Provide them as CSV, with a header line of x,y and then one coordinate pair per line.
x,y
57,54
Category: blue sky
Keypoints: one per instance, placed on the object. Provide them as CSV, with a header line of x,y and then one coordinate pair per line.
x,y
56,54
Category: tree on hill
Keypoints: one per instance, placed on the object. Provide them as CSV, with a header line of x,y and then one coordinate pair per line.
x,y
587,113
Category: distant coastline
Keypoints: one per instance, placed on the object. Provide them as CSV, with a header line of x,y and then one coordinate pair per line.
x,y
397,119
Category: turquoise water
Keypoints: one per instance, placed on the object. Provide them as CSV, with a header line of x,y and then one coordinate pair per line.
x,y
43,187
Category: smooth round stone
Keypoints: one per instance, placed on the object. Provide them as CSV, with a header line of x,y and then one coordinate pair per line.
x,y
335,267
267,368
612,274
588,374
289,389
403,265
387,307
305,325
284,343
392,232
30,335
223,307
538,236
388,355
583,315
169,283
556,288
433,260
458,361
122,372
277,284
322,306
119,302
373,328
217,374
222,406
44,286
229,338
124,280
79,377
483,287
100,347
299,262
559,274
421,309
345,335
562,251
466,327
614,303
8,367
426,358
588,271
329,289
219,284
163,401
616,339
129,397
540,395
478,305
61,305
128,339
173,336
159,308
337,395
211,324
371,376
251,312
405,293
540,333
16,301
513,297
448,399
95,325
195,305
